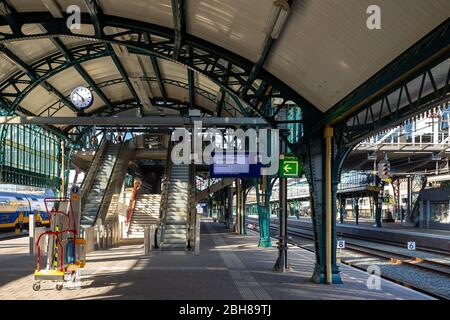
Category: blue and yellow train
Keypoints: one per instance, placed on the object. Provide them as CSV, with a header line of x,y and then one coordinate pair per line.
x,y
15,209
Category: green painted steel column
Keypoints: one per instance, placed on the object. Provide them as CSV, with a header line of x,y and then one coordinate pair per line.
x,y
379,203
341,209
263,214
244,215
229,222
264,227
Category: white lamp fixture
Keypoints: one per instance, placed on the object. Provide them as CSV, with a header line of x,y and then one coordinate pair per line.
x,y
277,18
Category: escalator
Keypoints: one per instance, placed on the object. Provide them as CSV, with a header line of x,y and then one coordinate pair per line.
x,y
104,177
175,208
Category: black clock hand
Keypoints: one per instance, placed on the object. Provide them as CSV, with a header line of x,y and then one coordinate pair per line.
x,y
80,96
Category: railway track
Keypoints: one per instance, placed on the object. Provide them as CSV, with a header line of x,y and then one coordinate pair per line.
x,y
423,264
308,231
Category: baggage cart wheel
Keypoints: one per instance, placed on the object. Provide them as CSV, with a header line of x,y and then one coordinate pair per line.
x,y
59,286
36,286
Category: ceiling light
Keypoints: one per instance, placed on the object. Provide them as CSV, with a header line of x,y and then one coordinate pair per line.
x,y
277,18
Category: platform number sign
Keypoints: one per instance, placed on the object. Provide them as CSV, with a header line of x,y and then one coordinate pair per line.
x,y
411,245
341,244
75,189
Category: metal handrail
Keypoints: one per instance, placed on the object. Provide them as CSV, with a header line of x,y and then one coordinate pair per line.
x,y
165,191
89,179
132,203
120,154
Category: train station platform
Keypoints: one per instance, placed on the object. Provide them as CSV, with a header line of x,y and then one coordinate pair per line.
x,y
393,232
229,267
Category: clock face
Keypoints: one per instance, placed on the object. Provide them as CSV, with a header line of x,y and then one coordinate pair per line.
x,y
82,98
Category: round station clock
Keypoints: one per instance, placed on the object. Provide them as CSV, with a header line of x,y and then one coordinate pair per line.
x,y
82,98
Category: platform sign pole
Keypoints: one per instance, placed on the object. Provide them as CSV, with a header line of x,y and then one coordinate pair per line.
x,y
76,206
147,240
31,233
282,262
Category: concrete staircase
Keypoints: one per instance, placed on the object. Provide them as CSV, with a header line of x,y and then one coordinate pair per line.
x,y
176,209
102,175
145,213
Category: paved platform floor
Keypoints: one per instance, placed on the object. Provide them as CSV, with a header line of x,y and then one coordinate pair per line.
x,y
229,267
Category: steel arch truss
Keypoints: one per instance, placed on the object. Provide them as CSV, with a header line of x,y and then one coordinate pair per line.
x,y
429,89
15,89
121,106
228,70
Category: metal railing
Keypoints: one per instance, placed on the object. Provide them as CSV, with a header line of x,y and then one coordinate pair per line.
x,y
132,203
165,192
105,204
89,178
357,179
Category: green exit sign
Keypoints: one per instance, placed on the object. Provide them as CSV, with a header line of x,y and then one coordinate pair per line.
x,y
290,166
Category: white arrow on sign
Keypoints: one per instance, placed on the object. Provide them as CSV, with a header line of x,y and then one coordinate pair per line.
x,y
287,168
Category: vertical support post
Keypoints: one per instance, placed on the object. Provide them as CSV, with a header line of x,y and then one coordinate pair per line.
x,y
379,205
282,262
152,236
230,208
238,206
31,238
341,209
315,164
147,243
97,236
197,234
63,158
356,210
244,217
409,195
263,204
328,134
89,236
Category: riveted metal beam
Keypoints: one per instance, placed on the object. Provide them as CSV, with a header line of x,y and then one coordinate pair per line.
x,y
191,81
179,23
96,14
67,54
123,73
429,90
33,76
10,14
157,71
210,60
266,48
426,53
156,121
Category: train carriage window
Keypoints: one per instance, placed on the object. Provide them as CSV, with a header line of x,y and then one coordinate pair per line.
x,y
19,198
4,202
4,218
34,199
445,119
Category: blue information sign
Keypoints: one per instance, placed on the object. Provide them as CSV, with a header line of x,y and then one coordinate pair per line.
x,y
237,165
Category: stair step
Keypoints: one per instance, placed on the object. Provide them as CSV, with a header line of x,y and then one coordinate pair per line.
x,y
173,247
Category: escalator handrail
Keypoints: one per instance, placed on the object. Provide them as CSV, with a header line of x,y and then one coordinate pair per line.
x,y
132,204
89,179
165,192
120,154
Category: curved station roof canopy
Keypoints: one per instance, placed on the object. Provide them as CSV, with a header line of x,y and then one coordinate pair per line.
x,y
226,58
